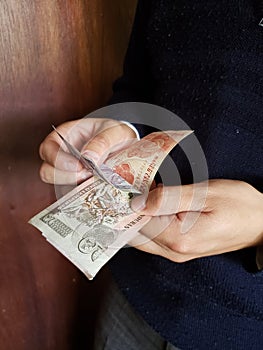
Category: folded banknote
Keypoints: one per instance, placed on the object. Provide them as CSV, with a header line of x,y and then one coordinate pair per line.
x,y
95,220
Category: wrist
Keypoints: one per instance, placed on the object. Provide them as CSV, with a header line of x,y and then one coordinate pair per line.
x,y
132,127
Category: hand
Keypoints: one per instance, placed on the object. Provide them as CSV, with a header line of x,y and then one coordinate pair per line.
x,y
94,137
225,216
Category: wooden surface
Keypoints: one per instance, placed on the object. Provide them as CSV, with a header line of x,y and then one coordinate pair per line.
x,y
57,62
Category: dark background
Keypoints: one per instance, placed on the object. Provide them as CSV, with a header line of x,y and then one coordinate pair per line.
x,y
58,59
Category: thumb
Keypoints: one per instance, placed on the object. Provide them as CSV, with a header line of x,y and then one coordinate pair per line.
x,y
169,200
108,140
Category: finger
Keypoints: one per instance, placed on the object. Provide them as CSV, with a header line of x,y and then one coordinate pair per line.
x,y
162,236
51,175
157,248
193,236
108,140
168,243
152,229
173,228
167,200
140,239
52,153
157,225
148,247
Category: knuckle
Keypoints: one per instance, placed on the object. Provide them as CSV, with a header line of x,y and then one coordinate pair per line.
x,y
44,174
212,190
158,192
101,141
154,201
42,151
180,246
181,259
242,185
177,257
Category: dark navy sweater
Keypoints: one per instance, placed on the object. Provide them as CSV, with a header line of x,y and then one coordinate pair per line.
x,y
202,60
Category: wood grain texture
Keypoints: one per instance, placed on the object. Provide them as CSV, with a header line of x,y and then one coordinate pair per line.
x,y
58,59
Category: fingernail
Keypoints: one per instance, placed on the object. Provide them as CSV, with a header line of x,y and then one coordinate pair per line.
x,y
139,202
91,155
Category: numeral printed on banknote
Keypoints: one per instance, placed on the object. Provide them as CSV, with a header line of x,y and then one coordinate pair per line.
x,y
94,221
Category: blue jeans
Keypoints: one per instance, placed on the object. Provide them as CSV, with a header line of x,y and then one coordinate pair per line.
x,y
121,328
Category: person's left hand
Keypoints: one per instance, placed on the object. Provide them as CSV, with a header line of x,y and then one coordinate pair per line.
x,y
225,215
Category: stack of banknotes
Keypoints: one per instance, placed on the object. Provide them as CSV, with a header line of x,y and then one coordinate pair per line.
x,y
94,221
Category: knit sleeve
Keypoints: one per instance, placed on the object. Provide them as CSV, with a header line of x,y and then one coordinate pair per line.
x,y
135,83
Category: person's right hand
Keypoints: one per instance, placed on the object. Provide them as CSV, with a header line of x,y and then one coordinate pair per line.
x,y
94,137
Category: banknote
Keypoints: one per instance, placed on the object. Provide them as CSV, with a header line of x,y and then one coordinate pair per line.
x,y
90,224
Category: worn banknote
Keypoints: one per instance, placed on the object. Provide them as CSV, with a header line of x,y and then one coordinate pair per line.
x,y
95,220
